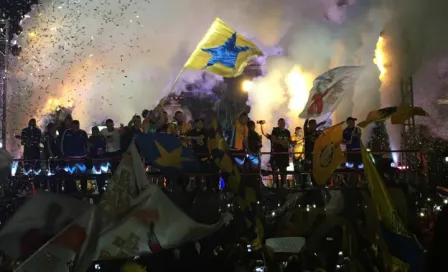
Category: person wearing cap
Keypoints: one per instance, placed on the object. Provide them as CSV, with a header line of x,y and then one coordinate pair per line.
x,y
352,140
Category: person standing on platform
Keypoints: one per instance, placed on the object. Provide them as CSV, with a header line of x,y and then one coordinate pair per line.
x,y
298,155
113,149
30,139
312,132
238,139
179,127
199,141
74,143
281,140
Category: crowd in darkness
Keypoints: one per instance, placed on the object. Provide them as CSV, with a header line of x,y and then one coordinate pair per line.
x,y
64,143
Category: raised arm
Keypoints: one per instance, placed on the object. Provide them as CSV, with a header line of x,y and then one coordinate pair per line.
x,y
321,124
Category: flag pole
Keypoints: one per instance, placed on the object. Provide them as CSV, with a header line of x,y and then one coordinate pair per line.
x,y
162,101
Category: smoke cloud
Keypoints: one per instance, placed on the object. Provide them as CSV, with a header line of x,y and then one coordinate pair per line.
x,y
417,34
113,58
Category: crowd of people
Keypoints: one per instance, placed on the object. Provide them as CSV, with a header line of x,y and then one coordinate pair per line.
x,y
285,146
64,143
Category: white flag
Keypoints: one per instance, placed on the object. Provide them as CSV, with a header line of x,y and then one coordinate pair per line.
x,y
329,89
156,224
37,221
71,250
128,181
286,244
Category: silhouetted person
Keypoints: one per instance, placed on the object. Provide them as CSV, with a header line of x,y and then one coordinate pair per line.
x,y
63,126
281,140
31,138
74,144
133,128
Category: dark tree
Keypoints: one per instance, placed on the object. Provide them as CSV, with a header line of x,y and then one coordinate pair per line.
x,y
379,141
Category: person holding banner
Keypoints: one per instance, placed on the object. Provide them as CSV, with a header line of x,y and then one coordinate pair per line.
x,y
311,132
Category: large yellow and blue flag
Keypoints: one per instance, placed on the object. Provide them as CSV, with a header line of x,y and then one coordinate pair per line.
x,y
400,250
167,153
222,51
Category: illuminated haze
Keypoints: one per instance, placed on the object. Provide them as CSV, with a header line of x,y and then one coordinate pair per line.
x,y
111,58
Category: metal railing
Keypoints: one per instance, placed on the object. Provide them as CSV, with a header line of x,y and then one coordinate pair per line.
x,y
296,175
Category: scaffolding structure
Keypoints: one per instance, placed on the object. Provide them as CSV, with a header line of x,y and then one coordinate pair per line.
x,y
409,134
4,54
407,98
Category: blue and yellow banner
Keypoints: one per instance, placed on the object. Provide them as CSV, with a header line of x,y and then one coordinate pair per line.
x,y
400,249
222,51
167,153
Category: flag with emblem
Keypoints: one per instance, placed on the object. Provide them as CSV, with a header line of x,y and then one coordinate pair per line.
x,y
141,218
167,153
222,51
327,153
37,221
399,248
124,188
398,115
245,196
329,89
71,250
154,225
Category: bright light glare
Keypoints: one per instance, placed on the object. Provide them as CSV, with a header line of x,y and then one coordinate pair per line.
x,y
32,35
380,57
298,84
247,85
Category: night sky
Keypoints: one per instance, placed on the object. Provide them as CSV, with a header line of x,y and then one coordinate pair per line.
x,y
14,10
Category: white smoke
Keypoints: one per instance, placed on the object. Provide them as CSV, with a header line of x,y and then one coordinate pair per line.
x,y
417,32
113,58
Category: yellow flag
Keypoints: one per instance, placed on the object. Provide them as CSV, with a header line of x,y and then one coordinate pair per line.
x,y
399,250
405,112
222,51
398,115
380,195
327,153
378,115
